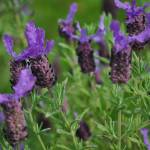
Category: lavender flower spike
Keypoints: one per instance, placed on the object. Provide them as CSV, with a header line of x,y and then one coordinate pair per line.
x,y
67,28
120,56
34,52
85,52
15,129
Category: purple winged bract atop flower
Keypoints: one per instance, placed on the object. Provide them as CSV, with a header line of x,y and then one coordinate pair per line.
x,y
35,39
99,38
131,9
121,41
136,21
67,27
25,84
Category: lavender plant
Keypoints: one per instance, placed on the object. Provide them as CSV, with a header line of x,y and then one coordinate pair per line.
x,y
110,116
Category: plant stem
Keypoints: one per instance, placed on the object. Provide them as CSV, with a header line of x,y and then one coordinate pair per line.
x,y
119,130
40,140
38,136
72,133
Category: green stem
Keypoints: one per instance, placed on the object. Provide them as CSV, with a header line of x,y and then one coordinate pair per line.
x,y
72,133
38,136
40,140
119,130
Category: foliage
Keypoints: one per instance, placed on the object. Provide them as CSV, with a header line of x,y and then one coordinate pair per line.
x,y
114,113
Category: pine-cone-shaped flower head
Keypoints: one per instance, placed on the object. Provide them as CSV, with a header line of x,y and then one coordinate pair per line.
x,y
67,27
120,57
43,121
85,52
136,21
83,132
34,51
15,129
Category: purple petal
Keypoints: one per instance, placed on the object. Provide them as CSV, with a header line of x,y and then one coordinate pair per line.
x,y
133,4
84,37
2,117
35,36
142,37
115,27
32,52
30,33
121,41
125,6
72,11
25,83
101,23
40,36
144,132
9,44
6,98
148,19
35,51
49,46
99,36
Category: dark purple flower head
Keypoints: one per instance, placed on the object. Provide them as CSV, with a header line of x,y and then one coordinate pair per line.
x,y
24,85
35,39
121,41
85,52
83,132
132,9
66,26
